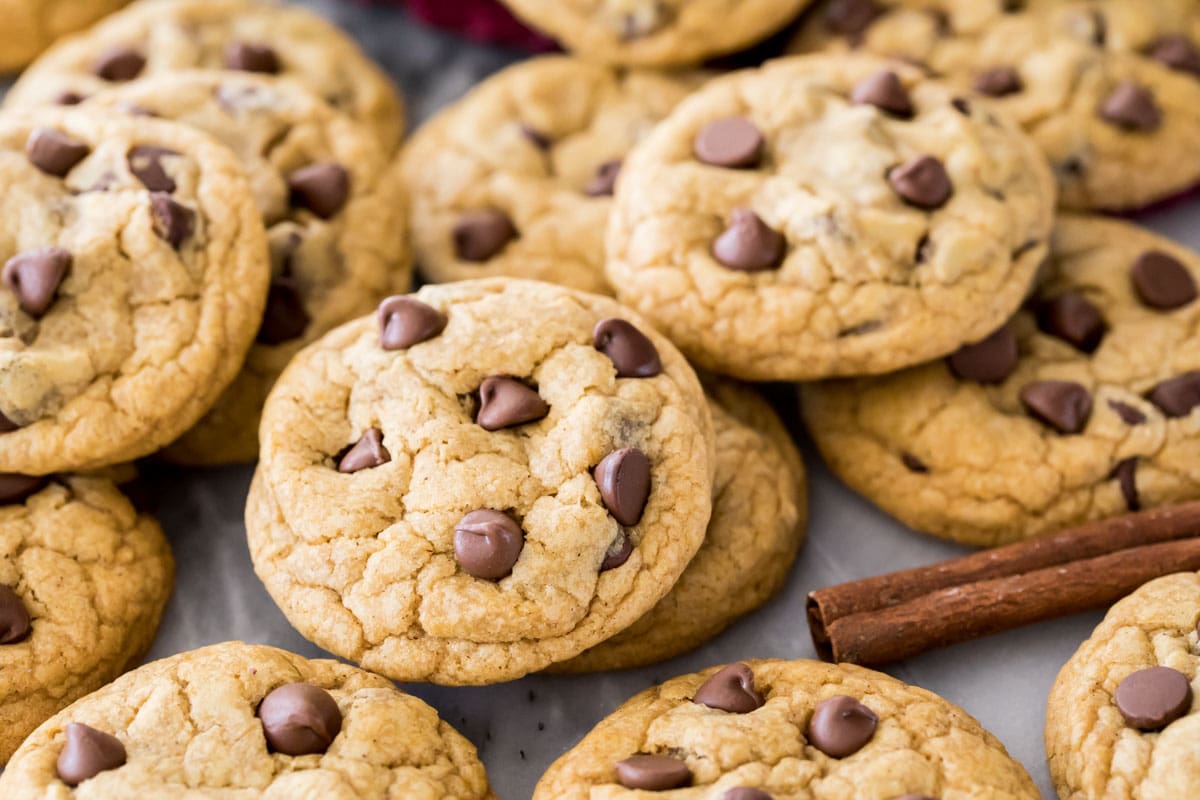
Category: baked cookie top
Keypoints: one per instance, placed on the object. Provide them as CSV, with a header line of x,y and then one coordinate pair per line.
x,y
155,36
829,215
1121,721
247,721
517,178
485,478
31,25
134,274
1083,406
800,730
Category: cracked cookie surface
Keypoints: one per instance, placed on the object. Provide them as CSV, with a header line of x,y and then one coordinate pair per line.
x,y
135,271
93,576
919,745
31,25
189,727
969,460
362,518
778,226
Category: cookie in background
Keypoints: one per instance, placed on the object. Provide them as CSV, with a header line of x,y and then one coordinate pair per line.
x,y
30,26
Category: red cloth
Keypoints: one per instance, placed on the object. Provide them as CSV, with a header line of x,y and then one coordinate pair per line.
x,y
482,20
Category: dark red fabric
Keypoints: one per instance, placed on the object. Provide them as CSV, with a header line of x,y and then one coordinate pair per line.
x,y
482,20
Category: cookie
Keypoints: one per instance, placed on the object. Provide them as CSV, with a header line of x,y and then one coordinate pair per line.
x,y
31,25
1122,720
828,216
483,479
757,526
1083,406
84,579
1109,89
656,33
335,221
239,720
794,729
155,36
517,178
134,274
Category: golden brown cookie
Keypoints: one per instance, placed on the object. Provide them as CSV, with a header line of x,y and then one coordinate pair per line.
x,y
30,26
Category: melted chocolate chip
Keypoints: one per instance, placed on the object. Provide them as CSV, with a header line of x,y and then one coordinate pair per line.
x,y
914,464
367,453
1074,319
173,222
321,188
653,773
1161,281
1178,396
841,726
884,91
1132,108
731,689
251,58
1063,405
34,277
146,163
922,182
745,793
88,753
851,17
732,142
748,244
1128,414
999,82
604,181
285,319
482,234
406,321
618,552
487,544
989,361
299,719
1125,474
505,402
54,152
14,617
538,139
623,478
630,350
1176,51
1151,699
119,64
16,488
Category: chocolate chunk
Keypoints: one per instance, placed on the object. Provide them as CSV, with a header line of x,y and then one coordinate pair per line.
x,y
482,234
34,277
991,360
146,163
119,64
16,488
851,17
321,188
748,244
1063,405
406,321
88,753
962,105
1151,699
653,773
487,544
251,58
914,464
1161,281
884,91
1128,414
731,689
733,142
1126,477
285,318
538,139
299,719
922,182
173,222
1074,319
999,82
630,350
54,152
1132,108
506,402
841,726
1176,51
1178,396
367,453
604,181
7,425
618,553
746,793
68,98
623,477
14,617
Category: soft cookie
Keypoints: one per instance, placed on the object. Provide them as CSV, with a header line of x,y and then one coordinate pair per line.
x,y
31,25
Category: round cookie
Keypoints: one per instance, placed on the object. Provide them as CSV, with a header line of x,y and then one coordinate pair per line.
x,y
239,720
84,579
517,178
828,216
757,526
155,36
134,274
1083,406
335,222
31,25
1110,90
501,475
800,730
1122,721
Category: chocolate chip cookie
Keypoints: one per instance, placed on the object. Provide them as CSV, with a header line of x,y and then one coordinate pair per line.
x,y
517,178
827,216
757,525
1122,720
31,25
155,36
787,729
1083,406
84,579
239,720
134,274
482,479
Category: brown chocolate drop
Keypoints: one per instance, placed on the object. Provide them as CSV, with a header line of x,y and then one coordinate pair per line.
x,y
851,17
732,142
14,617
604,181
748,244
285,318
7,425
173,222
999,82
653,773
16,488
1131,107
841,726
884,91
1151,699
1073,318
989,361
88,753
630,350
146,163
54,152
1177,52
1161,281
119,64
618,553
914,464
321,188
1128,414
922,182
731,689
1178,396
34,277
487,544
406,321
623,478
1063,405
367,453
505,402
251,58
299,719
482,234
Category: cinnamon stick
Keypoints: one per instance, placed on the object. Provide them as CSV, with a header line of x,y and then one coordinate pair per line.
x,y
894,616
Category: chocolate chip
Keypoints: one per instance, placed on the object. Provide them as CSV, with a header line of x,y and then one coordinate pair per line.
x,y
841,726
623,477
54,152
914,464
733,142
1161,281
88,753
321,188
173,222
1131,107
483,233
285,319
991,360
1151,699
630,350
14,617
1126,477
748,244
300,719
884,91
406,321
119,64
68,98
618,552
653,773
16,488
538,139
851,17
1074,319
34,277
7,425
367,453
915,797
1178,396
1176,51
922,182
731,689
505,402
999,82
1128,414
1063,405
745,793
487,544
251,58
962,105
146,163
604,181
